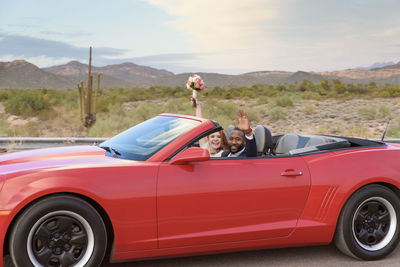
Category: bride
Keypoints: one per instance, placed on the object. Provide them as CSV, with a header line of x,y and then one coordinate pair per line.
x,y
216,142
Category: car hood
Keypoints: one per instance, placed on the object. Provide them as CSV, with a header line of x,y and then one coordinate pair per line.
x,y
46,154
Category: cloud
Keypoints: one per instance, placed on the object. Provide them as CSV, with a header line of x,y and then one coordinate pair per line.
x,y
216,25
42,50
40,61
66,34
287,35
176,62
45,53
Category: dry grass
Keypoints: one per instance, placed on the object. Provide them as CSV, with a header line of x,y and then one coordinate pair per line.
x,y
282,113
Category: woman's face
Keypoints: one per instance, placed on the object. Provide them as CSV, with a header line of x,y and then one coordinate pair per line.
x,y
214,140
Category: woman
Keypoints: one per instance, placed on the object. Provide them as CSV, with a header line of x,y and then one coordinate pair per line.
x,y
216,142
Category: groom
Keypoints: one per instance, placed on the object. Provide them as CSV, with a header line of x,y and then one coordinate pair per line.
x,y
241,142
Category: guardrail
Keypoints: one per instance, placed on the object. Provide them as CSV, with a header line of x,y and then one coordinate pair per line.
x,y
22,143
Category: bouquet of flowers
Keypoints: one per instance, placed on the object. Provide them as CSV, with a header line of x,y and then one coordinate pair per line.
x,y
195,83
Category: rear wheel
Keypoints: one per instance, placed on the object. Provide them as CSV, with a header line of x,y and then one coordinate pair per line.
x,y
58,231
368,226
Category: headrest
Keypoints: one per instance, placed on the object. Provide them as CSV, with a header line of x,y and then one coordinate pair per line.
x,y
287,143
263,139
315,140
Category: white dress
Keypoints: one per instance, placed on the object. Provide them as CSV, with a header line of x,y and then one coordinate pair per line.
x,y
207,146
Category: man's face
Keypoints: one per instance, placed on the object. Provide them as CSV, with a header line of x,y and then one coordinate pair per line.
x,y
236,141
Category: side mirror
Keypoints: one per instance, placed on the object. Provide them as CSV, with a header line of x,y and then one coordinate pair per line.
x,y
192,154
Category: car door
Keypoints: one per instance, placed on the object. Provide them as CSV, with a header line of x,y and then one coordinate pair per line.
x,y
224,200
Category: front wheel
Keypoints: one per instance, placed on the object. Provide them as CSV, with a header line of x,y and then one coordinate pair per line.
x,y
58,231
368,226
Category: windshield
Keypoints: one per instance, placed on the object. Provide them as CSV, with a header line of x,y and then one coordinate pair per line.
x,y
145,139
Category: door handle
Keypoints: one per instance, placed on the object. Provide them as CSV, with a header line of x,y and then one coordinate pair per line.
x,y
292,173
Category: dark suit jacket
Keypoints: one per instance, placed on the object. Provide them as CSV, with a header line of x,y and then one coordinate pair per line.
x,y
250,150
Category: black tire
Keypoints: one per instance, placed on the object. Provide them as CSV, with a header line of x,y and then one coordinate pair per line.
x,y
59,230
368,226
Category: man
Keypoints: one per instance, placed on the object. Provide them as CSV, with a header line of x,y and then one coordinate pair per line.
x,y
241,142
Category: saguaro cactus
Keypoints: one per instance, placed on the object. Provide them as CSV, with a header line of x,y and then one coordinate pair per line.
x,y
87,102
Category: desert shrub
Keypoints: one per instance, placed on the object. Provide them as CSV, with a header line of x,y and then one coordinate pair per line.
x,y
3,126
311,95
368,113
61,97
105,102
388,91
358,89
394,129
108,125
262,100
228,94
31,129
247,93
253,114
357,131
3,95
338,86
268,90
309,109
178,105
277,113
213,109
336,128
322,130
220,111
27,103
144,112
283,101
384,111
214,91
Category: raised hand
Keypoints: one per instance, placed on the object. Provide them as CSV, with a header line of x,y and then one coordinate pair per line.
x,y
194,101
196,104
243,122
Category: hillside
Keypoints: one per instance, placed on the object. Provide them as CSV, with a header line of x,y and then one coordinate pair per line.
x,y
21,74
118,75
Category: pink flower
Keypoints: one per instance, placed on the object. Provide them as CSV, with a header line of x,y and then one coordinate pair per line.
x,y
195,82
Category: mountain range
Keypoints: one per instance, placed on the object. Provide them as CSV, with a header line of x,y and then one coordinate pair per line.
x,y
22,74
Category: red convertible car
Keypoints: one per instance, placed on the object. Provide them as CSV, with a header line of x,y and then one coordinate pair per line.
x,y
152,192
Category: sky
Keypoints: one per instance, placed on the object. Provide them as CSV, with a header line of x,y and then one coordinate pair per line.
x,y
224,36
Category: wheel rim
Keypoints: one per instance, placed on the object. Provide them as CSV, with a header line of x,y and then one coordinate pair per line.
x,y
60,238
374,223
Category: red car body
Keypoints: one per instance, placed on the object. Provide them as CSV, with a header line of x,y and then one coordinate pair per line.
x,y
157,209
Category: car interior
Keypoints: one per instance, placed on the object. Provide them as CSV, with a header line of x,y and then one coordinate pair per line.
x,y
295,144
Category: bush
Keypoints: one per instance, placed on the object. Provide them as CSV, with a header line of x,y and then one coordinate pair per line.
x,y
309,109
4,126
178,105
311,95
384,111
277,113
357,131
27,103
367,113
394,129
3,95
284,101
389,91
262,100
